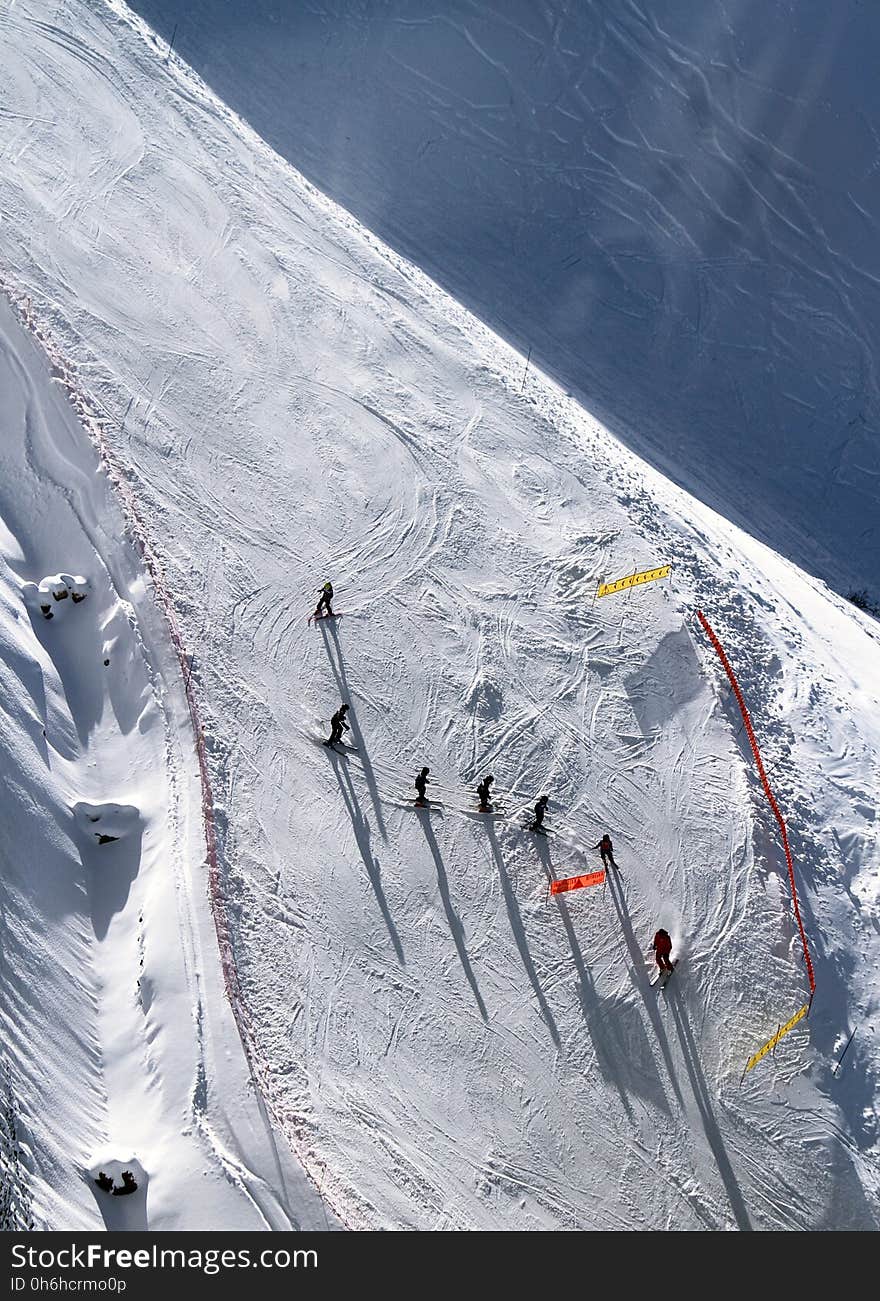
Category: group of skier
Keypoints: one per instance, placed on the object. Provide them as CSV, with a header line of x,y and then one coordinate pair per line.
x,y
662,942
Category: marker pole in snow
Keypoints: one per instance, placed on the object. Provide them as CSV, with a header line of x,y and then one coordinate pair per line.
x,y
526,371
843,1054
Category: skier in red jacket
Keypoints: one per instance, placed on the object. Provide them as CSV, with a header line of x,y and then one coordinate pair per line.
x,y
662,946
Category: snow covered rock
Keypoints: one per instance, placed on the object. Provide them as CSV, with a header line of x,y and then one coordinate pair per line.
x,y
104,823
120,1188
48,596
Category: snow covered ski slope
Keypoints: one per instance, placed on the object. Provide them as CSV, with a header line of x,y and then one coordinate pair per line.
x,y
442,1045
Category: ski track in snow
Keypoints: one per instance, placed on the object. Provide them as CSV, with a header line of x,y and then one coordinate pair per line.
x,y
447,1047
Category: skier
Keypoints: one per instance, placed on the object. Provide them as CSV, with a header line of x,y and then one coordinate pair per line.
x,y
483,793
421,783
662,946
607,850
337,725
540,809
324,599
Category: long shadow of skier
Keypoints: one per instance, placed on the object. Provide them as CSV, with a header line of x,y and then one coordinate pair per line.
x,y
332,636
543,849
455,924
519,934
704,1105
649,995
362,836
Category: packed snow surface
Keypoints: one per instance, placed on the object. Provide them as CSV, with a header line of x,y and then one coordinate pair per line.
x,y
440,1043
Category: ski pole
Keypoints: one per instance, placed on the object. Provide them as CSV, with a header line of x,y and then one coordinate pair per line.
x,y
843,1054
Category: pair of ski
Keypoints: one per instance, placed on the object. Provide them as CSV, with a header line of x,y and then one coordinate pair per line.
x,y
473,813
318,617
663,977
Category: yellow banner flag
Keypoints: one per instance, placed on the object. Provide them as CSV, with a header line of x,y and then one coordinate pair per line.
x,y
771,1043
633,580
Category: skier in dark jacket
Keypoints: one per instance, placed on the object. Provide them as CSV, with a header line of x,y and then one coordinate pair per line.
x,y
662,946
421,783
324,599
540,809
483,793
607,850
337,725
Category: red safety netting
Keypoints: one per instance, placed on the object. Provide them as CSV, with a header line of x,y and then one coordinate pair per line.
x,y
719,649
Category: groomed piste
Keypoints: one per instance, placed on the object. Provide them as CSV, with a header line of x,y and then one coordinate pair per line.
x,y
220,391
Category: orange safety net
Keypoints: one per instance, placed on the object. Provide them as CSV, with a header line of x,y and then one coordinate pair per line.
x,y
765,783
575,882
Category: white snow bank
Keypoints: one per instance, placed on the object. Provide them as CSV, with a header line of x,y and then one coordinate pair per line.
x,y
118,1046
